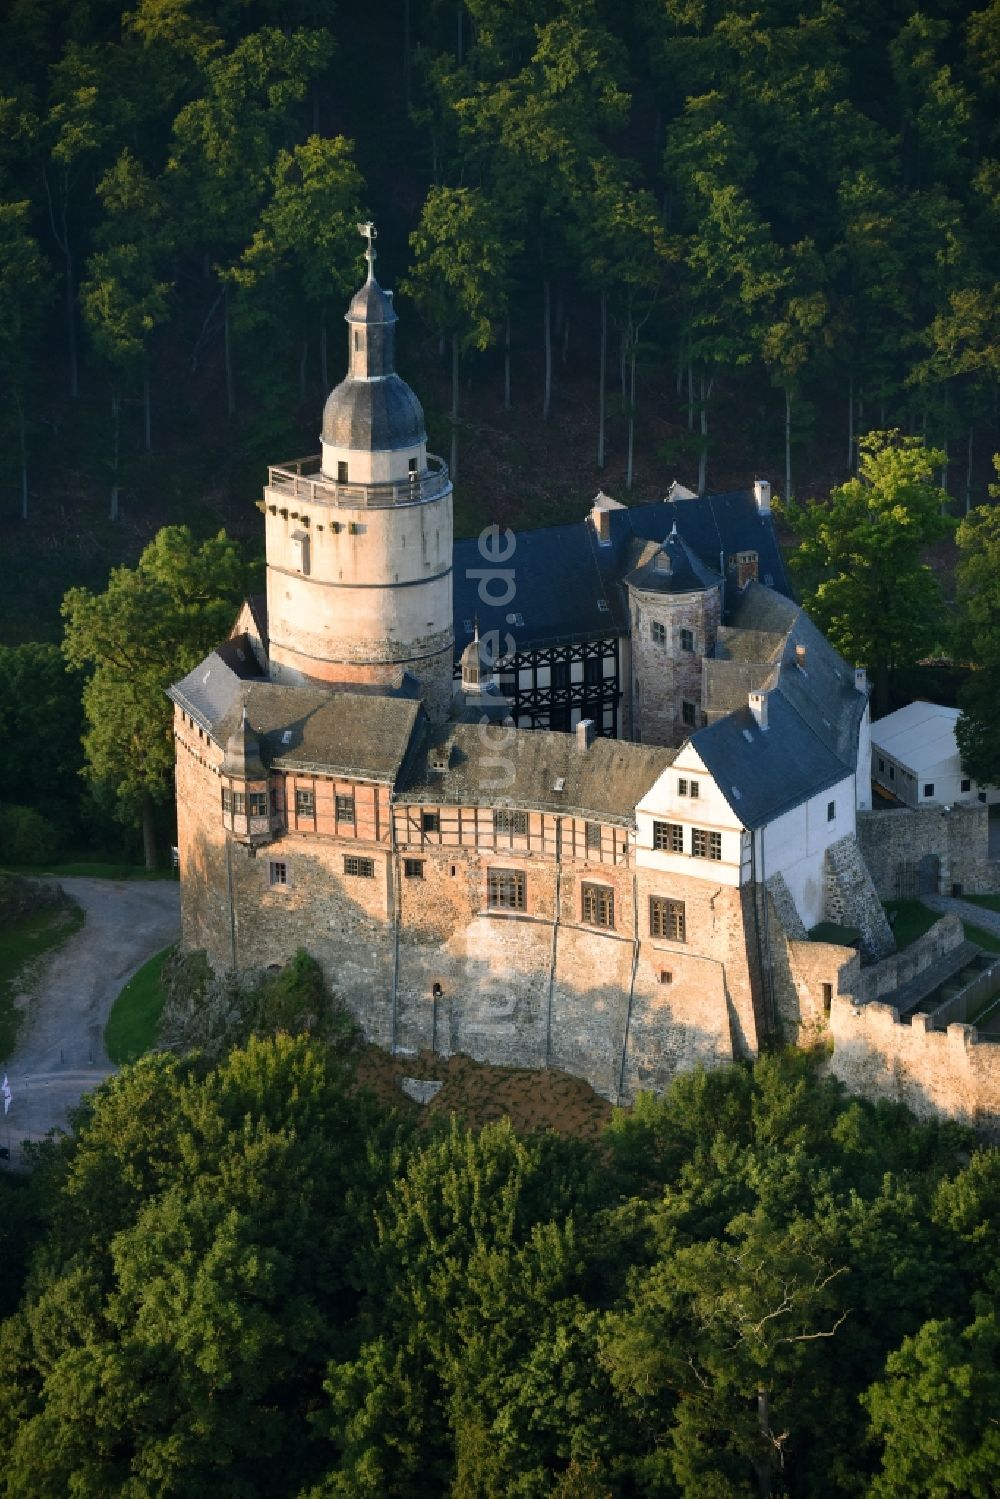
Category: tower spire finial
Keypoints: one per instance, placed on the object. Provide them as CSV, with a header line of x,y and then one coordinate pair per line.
x,y
371,234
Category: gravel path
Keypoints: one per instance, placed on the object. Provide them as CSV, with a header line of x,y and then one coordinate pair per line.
x,y
988,921
60,1050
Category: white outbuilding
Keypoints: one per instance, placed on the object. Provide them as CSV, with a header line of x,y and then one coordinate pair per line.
x,y
915,758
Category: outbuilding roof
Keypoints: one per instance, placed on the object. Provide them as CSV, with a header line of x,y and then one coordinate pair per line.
x,y
919,736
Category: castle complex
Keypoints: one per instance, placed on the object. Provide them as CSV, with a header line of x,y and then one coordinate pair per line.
x,y
587,797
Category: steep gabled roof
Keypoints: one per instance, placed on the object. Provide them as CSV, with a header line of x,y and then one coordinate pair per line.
x,y
568,585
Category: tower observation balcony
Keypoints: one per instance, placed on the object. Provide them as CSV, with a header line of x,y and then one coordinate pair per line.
x,y
303,479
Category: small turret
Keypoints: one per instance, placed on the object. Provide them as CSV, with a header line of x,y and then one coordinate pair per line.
x,y
245,811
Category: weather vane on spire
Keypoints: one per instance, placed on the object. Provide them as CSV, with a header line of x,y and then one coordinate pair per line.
x,y
370,233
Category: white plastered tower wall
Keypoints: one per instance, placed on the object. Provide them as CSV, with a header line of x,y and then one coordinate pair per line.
x,y
359,546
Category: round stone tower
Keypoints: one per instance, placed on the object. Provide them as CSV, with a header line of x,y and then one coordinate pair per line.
x,y
675,605
359,539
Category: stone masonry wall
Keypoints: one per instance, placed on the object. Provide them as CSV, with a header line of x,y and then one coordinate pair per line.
x,y
852,900
665,676
421,961
801,969
894,843
953,1073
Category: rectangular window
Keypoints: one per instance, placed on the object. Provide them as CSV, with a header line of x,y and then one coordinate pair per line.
x,y
505,889
258,804
657,632
345,808
305,803
239,803
966,785
598,905
666,919
593,837
365,868
559,719
831,811
669,837
227,799
881,766
505,821
689,714
411,466
892,772
687,640
928,788
430,822
666,977
341,472
827,998
592,675
413,869
686,787
277,872
705,845
560,675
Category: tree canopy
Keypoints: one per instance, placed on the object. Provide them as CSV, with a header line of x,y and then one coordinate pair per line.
x,y
250,1278
860,557
150,626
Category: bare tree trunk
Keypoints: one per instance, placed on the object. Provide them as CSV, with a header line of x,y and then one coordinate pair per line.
x,y
690,399
303,368
850,423
60,233
230,395
602,380
407,89
459,49
622,367
506,363
23,445
115,434
565,347
454,407
680,371
703,455
968,472
148,833
547,397
147,415
322,353
788,445
944,469
633,341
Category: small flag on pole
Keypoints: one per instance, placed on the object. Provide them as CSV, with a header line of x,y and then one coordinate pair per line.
x,y
8,1096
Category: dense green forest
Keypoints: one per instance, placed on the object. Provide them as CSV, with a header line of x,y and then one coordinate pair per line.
x,y
246,1277
645,237
631,240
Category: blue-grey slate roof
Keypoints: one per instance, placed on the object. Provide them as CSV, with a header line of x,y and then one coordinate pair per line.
x,y
764,773
562,575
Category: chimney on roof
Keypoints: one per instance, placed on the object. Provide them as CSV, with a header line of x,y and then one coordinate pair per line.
x,y
758,707
762,495
800,656
585,733
861,679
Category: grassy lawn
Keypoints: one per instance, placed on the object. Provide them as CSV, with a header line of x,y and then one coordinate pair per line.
x,y
988,902
94,870
22,941
135,1014
981,938
909,920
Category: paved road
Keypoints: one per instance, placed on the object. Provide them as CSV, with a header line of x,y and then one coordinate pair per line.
x,y
979,916
60,1051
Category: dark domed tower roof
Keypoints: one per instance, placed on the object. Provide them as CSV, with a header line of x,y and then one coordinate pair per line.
x,y
373,414
373,409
